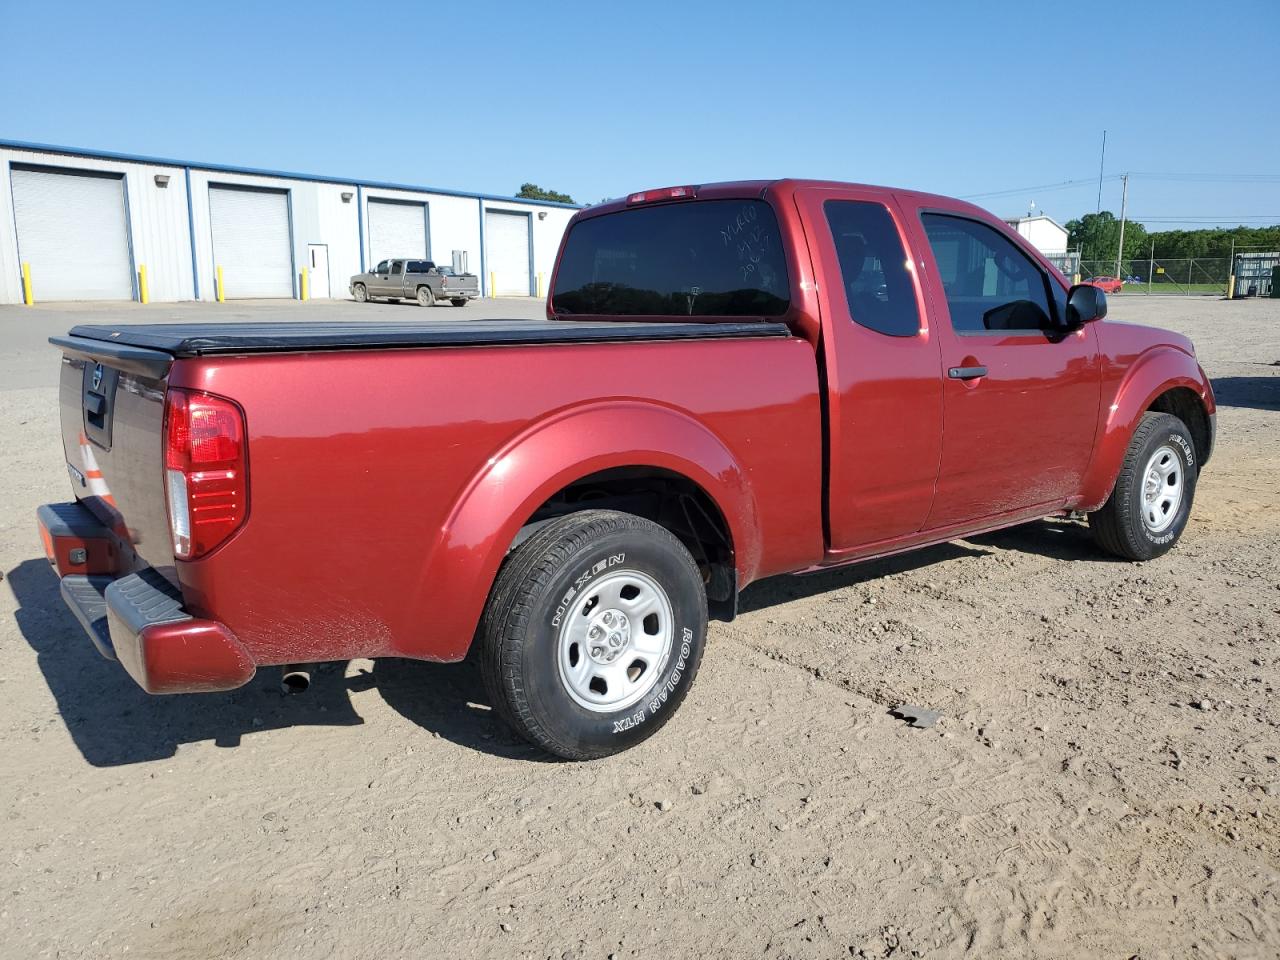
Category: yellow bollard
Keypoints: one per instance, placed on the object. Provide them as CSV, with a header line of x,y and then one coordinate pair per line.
x,y
539,286
218,284
493,285
306,289
143,293
26,285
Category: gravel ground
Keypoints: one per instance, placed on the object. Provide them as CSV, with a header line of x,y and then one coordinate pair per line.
x,y
1105,780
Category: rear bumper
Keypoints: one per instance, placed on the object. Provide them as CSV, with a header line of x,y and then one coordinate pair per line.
x,y
459,294
138,618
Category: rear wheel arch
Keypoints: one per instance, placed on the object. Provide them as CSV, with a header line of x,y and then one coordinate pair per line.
x,y
606,446
673,501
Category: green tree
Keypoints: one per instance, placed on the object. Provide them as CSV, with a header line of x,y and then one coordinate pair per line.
x,y
531,191
1097,237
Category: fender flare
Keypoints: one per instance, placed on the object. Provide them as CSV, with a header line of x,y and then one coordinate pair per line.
x,y
545,457
1156,371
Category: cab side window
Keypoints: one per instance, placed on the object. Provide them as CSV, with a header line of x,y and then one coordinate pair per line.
x,y
381,268
397,267
991,285
873,266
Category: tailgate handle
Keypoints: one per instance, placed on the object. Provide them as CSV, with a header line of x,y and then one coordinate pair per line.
x,y
95,404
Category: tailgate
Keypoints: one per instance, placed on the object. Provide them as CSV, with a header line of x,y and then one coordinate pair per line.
x,y
111,401
468,283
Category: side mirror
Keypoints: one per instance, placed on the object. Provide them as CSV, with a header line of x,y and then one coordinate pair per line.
x,y
1085,303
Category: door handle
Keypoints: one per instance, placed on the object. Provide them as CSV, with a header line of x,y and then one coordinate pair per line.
x,y
966,373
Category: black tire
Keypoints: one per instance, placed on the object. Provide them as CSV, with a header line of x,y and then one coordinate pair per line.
x,y
361,293
550,577
1122,527
426,298
459,301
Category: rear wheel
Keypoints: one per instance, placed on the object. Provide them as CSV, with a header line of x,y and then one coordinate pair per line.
x,y
593,632
360,293
459,301
425,297
1151,503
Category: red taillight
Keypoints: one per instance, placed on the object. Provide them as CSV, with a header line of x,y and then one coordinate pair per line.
x,y
206,470
666,193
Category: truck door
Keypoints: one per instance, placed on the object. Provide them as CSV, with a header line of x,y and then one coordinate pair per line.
x,y
1020,392
378,280
884,399
395,281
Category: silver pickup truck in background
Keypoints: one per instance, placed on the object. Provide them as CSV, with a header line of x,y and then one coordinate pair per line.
x,y
419,280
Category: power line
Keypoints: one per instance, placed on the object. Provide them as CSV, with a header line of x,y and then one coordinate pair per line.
x,y
1041,188
1269,218
1212,177
1166,177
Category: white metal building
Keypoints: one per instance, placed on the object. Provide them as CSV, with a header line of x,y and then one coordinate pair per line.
x,y
1045,234
88,223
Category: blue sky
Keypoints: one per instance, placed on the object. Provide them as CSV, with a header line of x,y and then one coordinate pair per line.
x,y
598,99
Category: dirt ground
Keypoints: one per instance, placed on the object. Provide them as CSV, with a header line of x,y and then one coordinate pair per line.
x,y
1105,781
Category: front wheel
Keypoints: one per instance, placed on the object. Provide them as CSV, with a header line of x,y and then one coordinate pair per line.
x,y
1151,503
360,293
593,633
425,297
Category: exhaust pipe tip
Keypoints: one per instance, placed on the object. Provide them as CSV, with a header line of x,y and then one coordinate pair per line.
x,y
295,678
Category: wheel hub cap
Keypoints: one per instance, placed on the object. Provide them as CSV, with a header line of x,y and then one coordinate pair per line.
x,y
1162,488
608,636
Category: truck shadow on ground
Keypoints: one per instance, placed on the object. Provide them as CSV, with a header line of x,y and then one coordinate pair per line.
x,y
1058,539
1258,393
113,722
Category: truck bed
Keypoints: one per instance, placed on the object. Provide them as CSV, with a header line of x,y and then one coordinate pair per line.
x,y
214,339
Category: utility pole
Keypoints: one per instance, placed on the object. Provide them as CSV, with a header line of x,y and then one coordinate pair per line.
x,y
1124,199
1151,266
1101,164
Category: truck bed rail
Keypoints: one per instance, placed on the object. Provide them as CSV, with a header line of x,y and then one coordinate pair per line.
x,y
212,339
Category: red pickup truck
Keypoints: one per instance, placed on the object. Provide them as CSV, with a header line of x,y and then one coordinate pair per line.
x,y
733,381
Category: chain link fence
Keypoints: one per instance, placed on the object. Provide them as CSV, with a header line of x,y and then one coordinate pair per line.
x,y
1195,276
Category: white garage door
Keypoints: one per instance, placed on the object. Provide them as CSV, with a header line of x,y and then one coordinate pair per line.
x,y
506,241
397,231
251,241
72,231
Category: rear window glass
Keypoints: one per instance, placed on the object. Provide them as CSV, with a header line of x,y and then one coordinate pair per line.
x,y
877,281
708,258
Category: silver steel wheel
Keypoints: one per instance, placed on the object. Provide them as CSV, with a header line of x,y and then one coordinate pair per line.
x,y
361,294
615,641
1163,481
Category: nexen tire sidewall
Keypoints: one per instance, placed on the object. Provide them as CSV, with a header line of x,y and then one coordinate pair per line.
x,y
568,721
1158,543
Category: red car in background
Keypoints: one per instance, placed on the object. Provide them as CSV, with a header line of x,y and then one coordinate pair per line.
x,y
1106,284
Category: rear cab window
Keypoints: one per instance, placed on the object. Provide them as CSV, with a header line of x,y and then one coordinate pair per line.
x,y
873,264
700,258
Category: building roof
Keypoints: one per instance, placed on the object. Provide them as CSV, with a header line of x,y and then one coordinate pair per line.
x,y
257,172
1014,221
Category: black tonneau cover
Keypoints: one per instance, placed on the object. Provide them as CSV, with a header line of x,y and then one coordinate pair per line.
x,y
211,339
